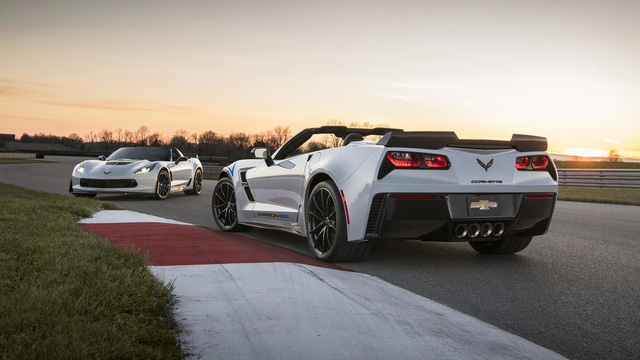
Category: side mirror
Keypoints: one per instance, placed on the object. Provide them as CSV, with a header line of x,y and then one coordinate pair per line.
x,y
262,153
181,159
259,153
102,158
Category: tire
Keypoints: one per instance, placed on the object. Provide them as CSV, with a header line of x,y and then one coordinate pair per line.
x,y
507,245
327,226
223,207
79,195
197,184
163,185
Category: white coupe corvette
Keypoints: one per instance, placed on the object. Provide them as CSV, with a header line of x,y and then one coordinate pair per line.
x,y
156,171
431,186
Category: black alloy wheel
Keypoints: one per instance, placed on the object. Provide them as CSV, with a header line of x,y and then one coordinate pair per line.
x,y
163,185
223,205
322,221
327,226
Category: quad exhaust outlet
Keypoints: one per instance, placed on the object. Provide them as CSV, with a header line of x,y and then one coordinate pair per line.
x,y
474,230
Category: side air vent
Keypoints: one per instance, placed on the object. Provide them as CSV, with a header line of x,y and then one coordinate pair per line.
x,y
374,214
245,185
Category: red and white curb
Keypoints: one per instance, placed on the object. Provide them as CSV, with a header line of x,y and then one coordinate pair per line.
x,y
240,298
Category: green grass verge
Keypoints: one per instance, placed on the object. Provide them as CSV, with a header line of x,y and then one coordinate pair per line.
x,y
599,195
596,165
64,294
21,161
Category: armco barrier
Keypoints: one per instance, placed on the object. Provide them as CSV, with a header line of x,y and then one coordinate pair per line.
x,y
603,178
211,169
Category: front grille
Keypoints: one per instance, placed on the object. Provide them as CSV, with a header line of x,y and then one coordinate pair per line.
x,y
118,163
374,214
116,183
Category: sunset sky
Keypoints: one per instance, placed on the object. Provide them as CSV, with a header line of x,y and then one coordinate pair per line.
x,y
567,70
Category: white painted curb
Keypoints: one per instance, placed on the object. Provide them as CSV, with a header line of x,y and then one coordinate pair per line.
x,y
126,216
294,311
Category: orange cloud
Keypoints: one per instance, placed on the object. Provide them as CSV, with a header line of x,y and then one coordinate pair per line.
x,y
121,106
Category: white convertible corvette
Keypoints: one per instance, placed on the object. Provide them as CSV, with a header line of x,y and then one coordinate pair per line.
x,y
156,171
431,186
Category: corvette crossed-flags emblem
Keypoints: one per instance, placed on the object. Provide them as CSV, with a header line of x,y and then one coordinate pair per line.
x,y
487,166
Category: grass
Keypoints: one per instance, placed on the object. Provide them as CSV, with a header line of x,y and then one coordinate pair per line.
x,y
64,294
21,161
599,195
596,165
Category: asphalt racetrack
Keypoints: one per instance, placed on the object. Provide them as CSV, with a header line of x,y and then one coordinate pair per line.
x,y
574,290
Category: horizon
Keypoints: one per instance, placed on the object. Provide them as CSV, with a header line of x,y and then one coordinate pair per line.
x,y
565,70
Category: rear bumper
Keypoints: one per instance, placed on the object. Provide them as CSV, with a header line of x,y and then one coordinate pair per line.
x,y
434,217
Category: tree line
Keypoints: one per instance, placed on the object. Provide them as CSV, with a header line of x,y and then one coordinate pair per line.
x,y
207,143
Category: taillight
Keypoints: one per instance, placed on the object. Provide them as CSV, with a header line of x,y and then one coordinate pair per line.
x,y
539,162
396,160
404,159
435,161
522,162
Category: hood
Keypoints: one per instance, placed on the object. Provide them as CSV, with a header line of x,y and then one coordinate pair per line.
x,y
97,168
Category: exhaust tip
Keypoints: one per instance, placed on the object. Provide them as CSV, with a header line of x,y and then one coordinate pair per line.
x,y
498,229
474,230
461,231
485,229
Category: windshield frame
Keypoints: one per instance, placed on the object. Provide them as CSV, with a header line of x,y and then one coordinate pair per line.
x,y
141,153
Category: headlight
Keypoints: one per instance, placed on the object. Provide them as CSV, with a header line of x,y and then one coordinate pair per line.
x,y
80,168
145,169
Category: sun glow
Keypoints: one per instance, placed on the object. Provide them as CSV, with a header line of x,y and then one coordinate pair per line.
x,y
586,152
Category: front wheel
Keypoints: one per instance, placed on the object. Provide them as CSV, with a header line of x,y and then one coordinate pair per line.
x,y
83,195
327,226
80,195
507,245
223,206
163,185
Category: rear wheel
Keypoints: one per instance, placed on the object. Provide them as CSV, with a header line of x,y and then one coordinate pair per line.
x,y
223,205
163,185
507,245
327,226
197,184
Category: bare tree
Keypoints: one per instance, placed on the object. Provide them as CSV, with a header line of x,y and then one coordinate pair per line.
x,y
106,136
142,134
118,134
281,135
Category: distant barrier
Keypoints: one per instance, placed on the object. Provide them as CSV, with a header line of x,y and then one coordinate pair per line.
x,y
602,178
211,168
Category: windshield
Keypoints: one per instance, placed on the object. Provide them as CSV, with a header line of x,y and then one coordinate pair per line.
x,y
141,153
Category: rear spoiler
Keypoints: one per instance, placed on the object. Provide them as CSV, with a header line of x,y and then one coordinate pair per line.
x,y
434,140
